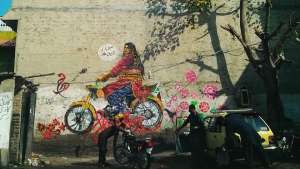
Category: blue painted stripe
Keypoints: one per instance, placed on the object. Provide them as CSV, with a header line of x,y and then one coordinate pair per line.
x,y
5,6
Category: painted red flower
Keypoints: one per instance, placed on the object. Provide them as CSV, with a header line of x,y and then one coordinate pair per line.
x,y
47,135
204,107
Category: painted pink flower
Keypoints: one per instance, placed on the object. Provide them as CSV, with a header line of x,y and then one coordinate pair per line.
x,y
184,105
204,107
191,76
210,91
184,92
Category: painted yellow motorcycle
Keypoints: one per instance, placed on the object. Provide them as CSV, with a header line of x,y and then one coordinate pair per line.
x,y
81,115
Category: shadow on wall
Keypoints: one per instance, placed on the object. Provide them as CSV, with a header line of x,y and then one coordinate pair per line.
x,y
182,15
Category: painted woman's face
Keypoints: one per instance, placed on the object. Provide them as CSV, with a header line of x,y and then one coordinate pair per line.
x,y
127,50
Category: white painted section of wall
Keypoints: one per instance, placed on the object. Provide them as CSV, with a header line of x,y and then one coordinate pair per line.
x,y
6,100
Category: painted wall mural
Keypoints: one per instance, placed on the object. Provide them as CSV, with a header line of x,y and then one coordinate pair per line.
x,y
140,105
144,108
173,107
206,98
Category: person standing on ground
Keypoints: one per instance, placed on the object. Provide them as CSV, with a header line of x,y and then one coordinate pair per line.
x,y
249,137
113,130
196,137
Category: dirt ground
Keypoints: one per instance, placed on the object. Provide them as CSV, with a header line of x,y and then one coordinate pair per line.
x,y
55,155
162,160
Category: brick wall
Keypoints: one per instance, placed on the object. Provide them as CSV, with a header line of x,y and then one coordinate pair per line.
x,y
15,129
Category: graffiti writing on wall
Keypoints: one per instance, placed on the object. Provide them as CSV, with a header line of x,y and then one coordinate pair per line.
x,y
46,100
5,118
5,105
61,84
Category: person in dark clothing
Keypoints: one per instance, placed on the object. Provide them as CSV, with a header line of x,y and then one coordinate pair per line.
x,y
102,144
103,137
249,137
196,137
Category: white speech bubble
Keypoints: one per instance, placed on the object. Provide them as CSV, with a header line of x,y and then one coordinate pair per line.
x,y
108,52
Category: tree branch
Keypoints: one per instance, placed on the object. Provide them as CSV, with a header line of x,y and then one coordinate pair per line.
x,y
268,6
275,58
233,32
276,31
255,62
259,33
292,26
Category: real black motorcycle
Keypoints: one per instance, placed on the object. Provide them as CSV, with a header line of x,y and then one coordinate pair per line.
x,y
133,152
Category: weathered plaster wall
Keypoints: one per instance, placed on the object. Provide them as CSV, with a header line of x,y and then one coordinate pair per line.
x,y
64,36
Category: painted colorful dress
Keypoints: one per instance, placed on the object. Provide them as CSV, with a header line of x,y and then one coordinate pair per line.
x,y
127,86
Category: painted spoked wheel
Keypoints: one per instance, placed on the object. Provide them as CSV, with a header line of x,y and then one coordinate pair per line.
x,y
79,120
150,111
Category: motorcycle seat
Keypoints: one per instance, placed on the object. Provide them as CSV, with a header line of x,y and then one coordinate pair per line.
x,y
142,138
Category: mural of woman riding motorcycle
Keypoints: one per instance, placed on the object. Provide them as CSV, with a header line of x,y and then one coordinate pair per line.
x,y
126,94
129,71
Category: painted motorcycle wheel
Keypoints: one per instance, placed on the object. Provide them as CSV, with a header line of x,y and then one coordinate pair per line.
x,y
151,112
79,120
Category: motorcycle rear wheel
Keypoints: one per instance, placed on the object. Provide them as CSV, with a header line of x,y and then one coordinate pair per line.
x,y
143,160
121,155
78,120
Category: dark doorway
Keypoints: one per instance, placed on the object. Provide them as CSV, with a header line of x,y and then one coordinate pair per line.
x,y
27,124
